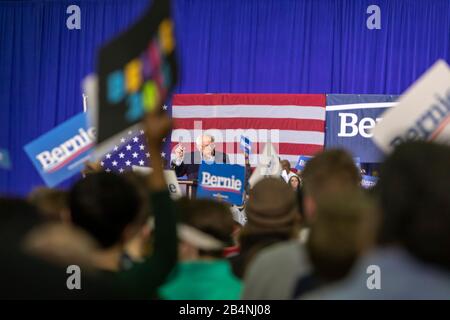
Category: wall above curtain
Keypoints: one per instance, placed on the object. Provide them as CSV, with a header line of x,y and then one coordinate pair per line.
x,y
236,46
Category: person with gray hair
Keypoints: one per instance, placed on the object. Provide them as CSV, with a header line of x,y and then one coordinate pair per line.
x,y
188,164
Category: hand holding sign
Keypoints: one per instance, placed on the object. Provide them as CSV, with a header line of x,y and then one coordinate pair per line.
x,y
157,125
91,167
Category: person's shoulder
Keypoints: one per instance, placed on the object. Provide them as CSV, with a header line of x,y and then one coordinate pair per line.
x,y
279,253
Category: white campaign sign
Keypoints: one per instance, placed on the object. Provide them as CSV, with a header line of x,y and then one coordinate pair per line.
x,y
422,112
269,165
171,180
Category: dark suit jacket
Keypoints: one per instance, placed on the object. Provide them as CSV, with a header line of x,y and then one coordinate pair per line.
x,y
191,164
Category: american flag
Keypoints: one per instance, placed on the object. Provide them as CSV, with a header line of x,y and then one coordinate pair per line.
x,y
130,150
293,123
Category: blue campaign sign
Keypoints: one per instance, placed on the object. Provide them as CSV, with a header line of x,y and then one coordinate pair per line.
x,y
221,182
368,182
302,160
5,162
61,152
350,119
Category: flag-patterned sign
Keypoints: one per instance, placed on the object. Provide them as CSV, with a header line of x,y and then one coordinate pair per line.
x,y
246,145
293,123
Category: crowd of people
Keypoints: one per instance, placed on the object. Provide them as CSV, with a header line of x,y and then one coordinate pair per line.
x,y
314,234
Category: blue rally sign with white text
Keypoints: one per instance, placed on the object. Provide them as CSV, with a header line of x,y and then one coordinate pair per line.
x,y
221,182
350,120
61,152
368,182
302,160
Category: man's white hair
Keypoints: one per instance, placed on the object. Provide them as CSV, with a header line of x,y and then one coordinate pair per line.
x,y
199,141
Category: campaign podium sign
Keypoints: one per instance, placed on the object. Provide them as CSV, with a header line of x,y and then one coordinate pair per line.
x,y
61,153
224,182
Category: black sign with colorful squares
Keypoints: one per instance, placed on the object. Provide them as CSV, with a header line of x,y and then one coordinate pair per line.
x,y
137,70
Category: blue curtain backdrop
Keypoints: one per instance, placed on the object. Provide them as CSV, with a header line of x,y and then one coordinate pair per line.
x,y
250,46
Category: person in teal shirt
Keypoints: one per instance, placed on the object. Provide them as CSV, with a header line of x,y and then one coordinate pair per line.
x,y
202,273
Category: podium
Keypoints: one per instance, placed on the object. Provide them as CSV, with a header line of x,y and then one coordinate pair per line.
x,y
190,187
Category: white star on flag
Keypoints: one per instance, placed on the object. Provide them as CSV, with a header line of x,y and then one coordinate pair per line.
x,y
114,163
130,132
122,140
128,163
121,170
147,154
163,154
142,131
164,107
108,170
121,155
164,140
141,162
128,147
116,148
135,155
108,156
141,147
135,139
102,163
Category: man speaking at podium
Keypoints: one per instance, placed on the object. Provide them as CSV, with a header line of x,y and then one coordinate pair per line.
x,y
188,165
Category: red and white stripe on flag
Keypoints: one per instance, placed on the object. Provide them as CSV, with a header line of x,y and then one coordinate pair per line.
x,y
293,123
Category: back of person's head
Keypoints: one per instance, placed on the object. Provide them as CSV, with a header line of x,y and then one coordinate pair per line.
x,y
272,208
104,204
414,190
139,181
211,218
300,202
51,203
330,171
285,165
345,227
272,217
17,218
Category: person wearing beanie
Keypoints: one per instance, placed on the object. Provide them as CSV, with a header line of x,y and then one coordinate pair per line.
x,y
272,216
